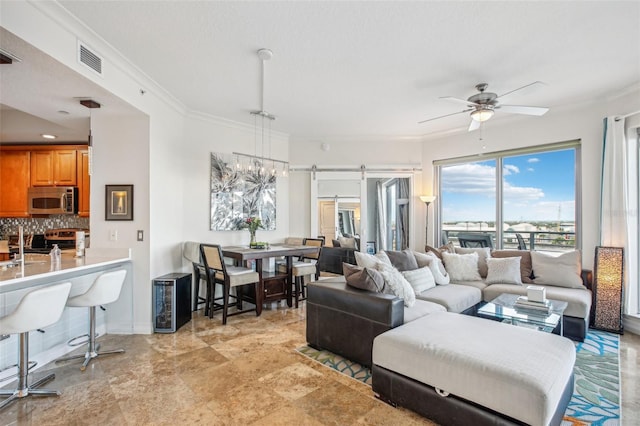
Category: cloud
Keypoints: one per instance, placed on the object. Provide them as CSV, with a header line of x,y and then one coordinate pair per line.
x,y
480,179
533,160
510,168
531,169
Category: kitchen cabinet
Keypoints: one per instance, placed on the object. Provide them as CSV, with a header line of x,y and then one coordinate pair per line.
x,y
84,183
14,183
54,167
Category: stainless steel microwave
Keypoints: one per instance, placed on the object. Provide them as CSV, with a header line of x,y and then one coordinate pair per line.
x,y
53,200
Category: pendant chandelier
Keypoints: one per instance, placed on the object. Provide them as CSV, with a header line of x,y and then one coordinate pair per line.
x,y
261,161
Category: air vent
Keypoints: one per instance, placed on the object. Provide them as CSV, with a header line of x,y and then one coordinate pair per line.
x,y
89,58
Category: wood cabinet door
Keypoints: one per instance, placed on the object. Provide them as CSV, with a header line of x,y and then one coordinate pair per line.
x,y
14,183
53,168
41,168
84,184
64,168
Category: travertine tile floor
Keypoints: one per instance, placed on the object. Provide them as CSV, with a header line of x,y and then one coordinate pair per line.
x,y
244,373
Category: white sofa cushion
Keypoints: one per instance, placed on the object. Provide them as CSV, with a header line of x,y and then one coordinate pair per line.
x,y
435,264
561,270
462,267
371,260
515,371
420,309
503,270
421,279
454,297
483,254
397,283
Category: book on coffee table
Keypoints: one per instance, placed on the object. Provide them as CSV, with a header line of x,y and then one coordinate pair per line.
x,y
524,303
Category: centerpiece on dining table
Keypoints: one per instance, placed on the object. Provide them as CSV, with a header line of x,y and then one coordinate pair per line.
x,y
252,223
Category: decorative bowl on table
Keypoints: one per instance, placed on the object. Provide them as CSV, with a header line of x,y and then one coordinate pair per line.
x,y
259,245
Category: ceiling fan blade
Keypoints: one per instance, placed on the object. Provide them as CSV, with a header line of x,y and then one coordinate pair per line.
x,y
520,88
518,109
443,116
474,125
463,101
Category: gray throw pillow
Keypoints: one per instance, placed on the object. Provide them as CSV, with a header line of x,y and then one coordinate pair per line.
x,y
363,278
402,260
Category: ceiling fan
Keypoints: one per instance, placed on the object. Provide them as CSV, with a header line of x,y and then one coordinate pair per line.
x,y
483,105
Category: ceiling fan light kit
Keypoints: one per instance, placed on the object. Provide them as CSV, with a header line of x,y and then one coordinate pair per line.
x,y
482,114
483,106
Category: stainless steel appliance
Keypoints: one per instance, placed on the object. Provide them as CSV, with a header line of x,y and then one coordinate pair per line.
x,y
53,200
65,238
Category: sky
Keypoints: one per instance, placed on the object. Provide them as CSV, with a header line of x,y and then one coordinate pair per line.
x,y
536,187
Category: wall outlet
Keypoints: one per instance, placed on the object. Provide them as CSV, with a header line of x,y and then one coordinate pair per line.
x,y
113,235
140,235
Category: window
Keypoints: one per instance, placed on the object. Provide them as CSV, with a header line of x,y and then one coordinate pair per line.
x,y
522,199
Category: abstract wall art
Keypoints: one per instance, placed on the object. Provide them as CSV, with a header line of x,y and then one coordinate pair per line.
x,y
239,191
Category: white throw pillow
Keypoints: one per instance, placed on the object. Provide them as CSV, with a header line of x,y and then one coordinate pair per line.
x,y
462,267
398,284
562,270
504,270
421,279
436,266
483,254
371,260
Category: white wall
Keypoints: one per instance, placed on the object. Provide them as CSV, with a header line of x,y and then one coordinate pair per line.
x,y
202,136
121,157
559,124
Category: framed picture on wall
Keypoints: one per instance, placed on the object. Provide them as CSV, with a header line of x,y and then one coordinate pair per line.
x,y
371,247
119,202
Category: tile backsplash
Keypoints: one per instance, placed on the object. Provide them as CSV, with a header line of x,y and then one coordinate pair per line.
x,y
9,226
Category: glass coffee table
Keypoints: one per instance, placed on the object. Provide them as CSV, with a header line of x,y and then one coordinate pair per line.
x,y
502,308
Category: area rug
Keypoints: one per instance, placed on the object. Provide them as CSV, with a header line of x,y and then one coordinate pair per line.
x,y
596,397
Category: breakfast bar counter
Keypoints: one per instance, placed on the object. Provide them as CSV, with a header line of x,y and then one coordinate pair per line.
x,y
39,270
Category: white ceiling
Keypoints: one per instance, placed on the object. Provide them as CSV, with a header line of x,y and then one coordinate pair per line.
x,y
348,70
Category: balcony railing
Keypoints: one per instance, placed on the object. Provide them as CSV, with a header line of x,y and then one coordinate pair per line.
x,y
534,240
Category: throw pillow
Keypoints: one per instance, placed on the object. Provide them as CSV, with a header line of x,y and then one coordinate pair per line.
x,y
438,251
422,259
562,270
371,260
525,262
436,266
397,283
363,278
335,243
483,254
503,271
462,267
402,260
347,242
421,279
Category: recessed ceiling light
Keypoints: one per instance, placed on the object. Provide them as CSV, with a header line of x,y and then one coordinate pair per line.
x,y
49,136
63,112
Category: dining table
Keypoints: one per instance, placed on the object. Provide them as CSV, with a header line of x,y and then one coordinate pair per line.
x,y
273,285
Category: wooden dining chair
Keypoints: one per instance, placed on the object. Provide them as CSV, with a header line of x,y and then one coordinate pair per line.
x,y
230,277
306,265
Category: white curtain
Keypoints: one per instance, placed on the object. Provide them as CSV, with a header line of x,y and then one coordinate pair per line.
x,y
619,199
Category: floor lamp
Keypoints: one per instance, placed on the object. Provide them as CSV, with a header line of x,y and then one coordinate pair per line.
x,y
608,285
427,199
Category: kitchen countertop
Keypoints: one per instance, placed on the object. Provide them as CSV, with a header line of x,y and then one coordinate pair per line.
x,y
38,269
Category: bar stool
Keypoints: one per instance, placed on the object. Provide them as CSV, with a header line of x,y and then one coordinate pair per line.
x,y
37,309
105,289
